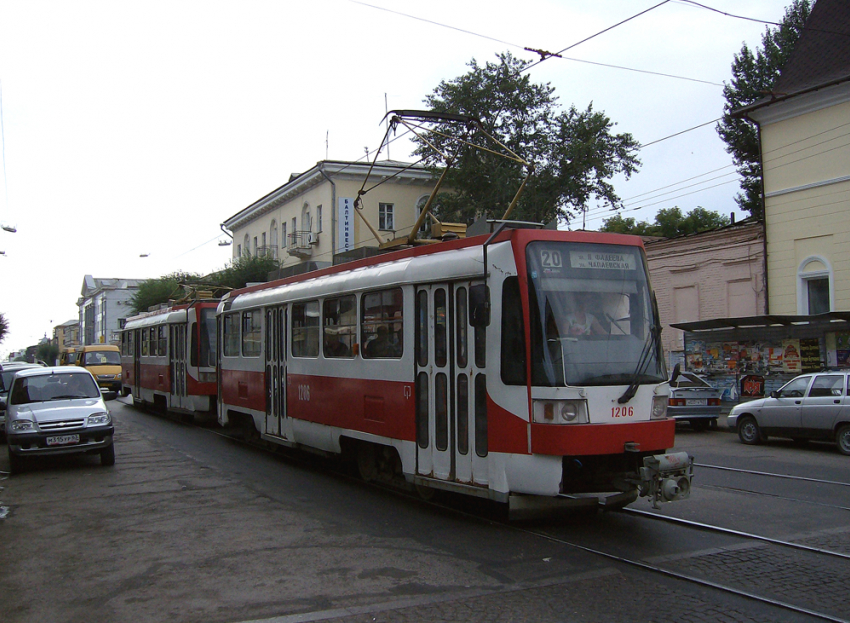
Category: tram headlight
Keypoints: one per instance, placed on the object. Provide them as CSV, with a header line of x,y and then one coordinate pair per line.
x,y
559,412
659,407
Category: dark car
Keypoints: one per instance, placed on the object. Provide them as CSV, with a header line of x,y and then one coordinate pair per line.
x,y
693,400
810,406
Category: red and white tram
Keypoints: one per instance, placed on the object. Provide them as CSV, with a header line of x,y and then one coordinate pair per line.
x,y
526,365
168,358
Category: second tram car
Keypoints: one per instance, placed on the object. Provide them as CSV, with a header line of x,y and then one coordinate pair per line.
x,y
526,364
168,358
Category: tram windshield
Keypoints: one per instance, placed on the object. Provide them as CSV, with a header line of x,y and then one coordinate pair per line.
x,y
591,316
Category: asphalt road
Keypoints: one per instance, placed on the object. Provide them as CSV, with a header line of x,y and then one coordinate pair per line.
x,y
192,526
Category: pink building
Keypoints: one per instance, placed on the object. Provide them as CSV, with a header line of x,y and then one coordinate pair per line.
x,y
715,274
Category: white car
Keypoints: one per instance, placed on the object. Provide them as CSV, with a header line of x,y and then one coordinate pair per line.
x,y
811,406
57,411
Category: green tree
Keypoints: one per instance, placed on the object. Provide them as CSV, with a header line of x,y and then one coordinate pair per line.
x,y
4,327
574,152
154,292
669,223
753,75
47,352
244,270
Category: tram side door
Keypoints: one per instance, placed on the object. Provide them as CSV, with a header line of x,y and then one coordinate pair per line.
x,y
434,382
469,385
177,362
138,336
276,371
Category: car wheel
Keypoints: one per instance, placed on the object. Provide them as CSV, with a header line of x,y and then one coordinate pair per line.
x,y
16,463
843,439
749,431
107,456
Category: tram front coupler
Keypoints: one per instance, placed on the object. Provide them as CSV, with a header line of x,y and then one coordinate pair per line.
x,y
666,477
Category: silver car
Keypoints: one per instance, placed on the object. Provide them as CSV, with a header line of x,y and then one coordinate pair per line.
x,y
694,401
57,411
811,406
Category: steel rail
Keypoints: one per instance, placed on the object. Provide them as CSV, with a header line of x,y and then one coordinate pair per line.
x,y
737,533
786,476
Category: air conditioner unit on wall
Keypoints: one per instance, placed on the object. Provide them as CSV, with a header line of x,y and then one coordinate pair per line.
x,y
314,238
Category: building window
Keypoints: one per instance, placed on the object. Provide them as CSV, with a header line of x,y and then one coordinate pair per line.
x,y
318,219
238,250
425,228
247,245
283,234
818,295
814,286
255,247
385,216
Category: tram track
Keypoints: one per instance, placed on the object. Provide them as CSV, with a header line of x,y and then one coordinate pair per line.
x,y
773,475
644,565
771,495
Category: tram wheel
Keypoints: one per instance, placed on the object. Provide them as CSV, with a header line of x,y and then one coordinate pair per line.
x,y
367,466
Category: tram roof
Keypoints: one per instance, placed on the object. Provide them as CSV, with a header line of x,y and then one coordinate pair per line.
x,y
450,260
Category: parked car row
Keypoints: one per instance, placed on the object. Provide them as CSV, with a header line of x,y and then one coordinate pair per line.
x,y
53,411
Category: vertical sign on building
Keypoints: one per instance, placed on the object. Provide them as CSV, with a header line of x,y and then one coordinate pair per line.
x,y
345,239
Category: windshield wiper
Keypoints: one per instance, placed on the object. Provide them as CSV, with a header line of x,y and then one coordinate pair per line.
x,y
643,362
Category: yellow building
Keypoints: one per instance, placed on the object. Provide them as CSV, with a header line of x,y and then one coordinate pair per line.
x,y
806,166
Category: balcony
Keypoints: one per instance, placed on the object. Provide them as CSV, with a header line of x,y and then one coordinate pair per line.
x,y
267,251
301,243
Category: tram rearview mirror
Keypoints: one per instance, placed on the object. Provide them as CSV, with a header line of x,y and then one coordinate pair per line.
x,y
479,306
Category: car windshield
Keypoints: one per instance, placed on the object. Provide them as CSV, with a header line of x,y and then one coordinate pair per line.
x,y
102,358
47,387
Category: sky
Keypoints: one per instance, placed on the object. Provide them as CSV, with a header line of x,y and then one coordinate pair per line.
x,y
134,129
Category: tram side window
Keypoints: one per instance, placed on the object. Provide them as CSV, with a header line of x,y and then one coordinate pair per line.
x,y
382,324
251,333
305,329
513,334
230,328
480,292
143,340
162,349
151,335
339,328
481,447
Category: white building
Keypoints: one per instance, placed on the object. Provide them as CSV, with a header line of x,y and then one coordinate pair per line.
x,y
312,217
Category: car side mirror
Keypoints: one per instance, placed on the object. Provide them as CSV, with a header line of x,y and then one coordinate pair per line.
x,y
108,395
774,394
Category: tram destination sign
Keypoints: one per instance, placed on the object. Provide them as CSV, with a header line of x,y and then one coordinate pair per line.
x,y
602,260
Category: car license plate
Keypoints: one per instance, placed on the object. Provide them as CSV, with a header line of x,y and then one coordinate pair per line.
x,y
63,440
696,402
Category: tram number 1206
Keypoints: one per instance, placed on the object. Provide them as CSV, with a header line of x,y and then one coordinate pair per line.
x,y
304,393
622,411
